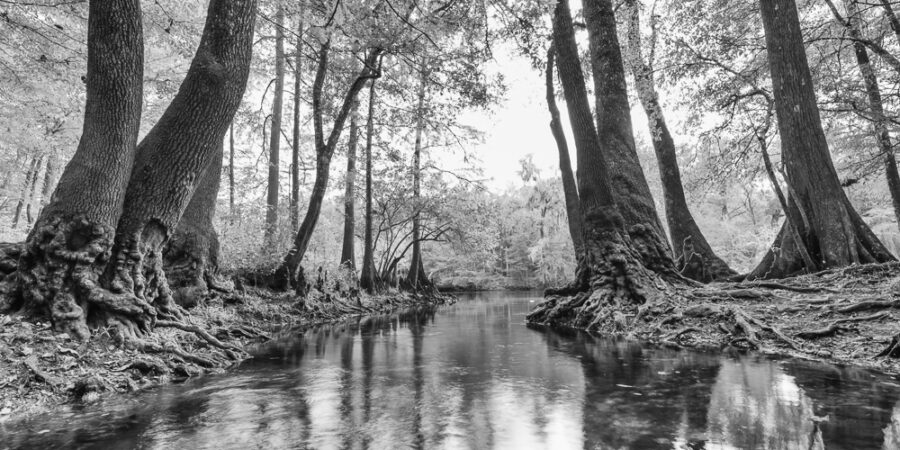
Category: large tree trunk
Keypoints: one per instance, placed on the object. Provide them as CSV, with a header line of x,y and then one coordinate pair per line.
x,y
275,135
367,277
170,162
191,255
570,189
286,274
694,257
295,150
614,128
71,240
416,278
832,230
611,279
348,253
880,123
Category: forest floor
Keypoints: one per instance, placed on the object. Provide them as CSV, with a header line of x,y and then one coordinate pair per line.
x,y
847,317
41,369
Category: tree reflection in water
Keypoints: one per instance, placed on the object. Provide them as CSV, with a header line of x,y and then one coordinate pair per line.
x,y
473,376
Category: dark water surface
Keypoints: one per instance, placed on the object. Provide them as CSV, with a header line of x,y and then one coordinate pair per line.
x,y
474,376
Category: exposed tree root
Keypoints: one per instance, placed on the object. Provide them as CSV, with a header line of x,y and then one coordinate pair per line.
x,y
201,333
869,304
835,326
750,323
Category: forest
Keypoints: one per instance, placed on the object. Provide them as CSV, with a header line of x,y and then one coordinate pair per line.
x,y
179,179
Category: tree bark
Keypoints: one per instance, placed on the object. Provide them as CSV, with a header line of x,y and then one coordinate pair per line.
x,y
71,240
348,253
613,114
416,279
286,274
611,279
694,257
295,150
275,135
170,162
367,277
192,254
570,189
832,230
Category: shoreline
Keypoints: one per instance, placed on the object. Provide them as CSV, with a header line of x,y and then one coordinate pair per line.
x,y
41,370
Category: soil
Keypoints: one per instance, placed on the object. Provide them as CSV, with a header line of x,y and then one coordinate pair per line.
x,y
41,369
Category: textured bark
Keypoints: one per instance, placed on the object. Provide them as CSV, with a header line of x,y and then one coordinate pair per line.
x,y
170,162
348,250
832,230
70,243
694,257
367,276
286,274
275,134
191,255
295,150
570,189
873,91
416,278
629,186
611,278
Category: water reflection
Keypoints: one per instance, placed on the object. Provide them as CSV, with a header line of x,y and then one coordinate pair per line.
x,y
473,376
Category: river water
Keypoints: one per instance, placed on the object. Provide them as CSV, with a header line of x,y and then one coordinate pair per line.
x,y
474,376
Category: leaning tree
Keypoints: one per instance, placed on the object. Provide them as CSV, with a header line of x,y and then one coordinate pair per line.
x,y
94,257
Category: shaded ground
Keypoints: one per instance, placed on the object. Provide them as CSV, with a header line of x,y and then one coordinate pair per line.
x,y
40,369
846,316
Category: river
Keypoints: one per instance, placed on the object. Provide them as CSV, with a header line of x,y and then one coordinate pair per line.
x,y
473,375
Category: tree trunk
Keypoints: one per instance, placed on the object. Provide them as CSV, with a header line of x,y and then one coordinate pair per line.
x,y
49,179
170,162
416,279
295,150
27,189
286,274
348,253
71,240
367,277
614,128
275,135
832,230
694,257
611,279
873,92
570,189
191,255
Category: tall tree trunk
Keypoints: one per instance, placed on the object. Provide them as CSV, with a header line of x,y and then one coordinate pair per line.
x,y
275,135
570,189
614,128
879,122
832,230
170,162
611,279
231,168
416,278
192,254
367,277
348,253
694,257
295,151
71,240
27,188
286,274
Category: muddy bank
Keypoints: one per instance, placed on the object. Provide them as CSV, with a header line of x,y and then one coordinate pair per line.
x,y
846,317
41,369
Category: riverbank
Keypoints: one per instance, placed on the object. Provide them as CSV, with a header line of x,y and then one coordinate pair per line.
x,y
41,369
847,317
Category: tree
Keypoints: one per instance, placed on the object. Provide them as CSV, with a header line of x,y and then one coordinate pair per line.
x,y
416,278
95,254
295,150
832,230
611,274
613,114
348,253
275,135
694,257
367,276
